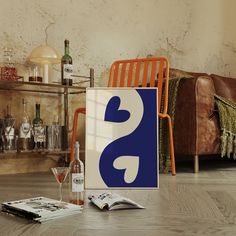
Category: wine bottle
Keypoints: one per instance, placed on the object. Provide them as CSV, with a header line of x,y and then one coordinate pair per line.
x,y
9,130
25,129
38,129
66,66
8,119
76,179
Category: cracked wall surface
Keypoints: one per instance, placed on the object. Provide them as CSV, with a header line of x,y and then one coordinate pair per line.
x,y
195,35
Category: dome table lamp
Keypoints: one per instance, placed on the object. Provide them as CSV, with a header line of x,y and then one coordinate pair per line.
x,y
45,55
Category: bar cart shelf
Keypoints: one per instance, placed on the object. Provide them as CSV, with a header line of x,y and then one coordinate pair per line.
x,y
46,88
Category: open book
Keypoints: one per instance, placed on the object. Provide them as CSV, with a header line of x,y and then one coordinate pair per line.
x,y
40,209
113,201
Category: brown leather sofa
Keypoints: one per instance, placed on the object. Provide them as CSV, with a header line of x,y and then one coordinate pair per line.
x,y
196,124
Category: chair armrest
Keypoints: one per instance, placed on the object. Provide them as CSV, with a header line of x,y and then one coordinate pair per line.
x,y
74,129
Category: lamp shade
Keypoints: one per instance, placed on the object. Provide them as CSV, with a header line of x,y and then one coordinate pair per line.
x,y
45,55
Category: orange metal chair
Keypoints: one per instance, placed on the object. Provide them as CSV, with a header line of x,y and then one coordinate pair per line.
x,y
135,73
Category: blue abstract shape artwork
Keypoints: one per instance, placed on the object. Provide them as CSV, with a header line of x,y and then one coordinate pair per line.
x,y
141,144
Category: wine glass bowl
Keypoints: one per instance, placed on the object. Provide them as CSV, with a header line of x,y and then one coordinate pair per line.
x,y
60,174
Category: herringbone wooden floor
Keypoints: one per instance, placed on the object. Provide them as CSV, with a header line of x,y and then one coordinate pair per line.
x,y
187,204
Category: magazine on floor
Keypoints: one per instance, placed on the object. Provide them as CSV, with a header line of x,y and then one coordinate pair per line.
x,y
40,209
113,201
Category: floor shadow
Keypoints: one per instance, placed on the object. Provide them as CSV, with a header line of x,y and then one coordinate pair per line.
x,y
206,163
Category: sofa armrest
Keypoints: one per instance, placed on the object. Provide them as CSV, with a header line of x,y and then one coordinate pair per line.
x,y
225,86
196,130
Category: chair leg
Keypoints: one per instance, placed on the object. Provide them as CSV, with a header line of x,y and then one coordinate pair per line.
x,y
172,155
196,163
75,124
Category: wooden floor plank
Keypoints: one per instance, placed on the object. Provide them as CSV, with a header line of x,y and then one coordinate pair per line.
x,y
226,204
187,204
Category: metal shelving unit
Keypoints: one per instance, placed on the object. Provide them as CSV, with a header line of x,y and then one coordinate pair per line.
x,y
57,89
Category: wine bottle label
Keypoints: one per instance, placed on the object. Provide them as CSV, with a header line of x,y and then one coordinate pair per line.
x,y
39,134
68,70
25,130
9,132
77,182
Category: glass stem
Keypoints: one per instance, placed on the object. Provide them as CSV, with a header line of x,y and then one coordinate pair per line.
x,y
60,191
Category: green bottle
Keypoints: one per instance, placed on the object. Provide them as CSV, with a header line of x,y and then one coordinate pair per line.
x,y
37,120
38,129
66,66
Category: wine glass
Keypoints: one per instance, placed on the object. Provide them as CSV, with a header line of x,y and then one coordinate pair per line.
x,y
60,174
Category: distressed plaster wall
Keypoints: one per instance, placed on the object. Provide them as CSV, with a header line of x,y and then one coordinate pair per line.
x,y
195,35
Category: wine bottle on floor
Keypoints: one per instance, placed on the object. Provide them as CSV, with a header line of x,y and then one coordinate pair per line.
x,y
76,179
66,66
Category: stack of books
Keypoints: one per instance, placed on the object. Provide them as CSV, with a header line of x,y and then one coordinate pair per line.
x,y
40,209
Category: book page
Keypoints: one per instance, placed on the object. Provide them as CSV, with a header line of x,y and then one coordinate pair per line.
x,y
125,203
110,200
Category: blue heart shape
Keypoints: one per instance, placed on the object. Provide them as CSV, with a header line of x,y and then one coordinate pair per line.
x,y
113,114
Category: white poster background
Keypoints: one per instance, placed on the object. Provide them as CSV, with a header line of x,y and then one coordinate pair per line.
x,y
100,133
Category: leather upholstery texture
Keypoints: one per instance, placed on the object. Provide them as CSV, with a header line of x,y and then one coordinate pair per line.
x,y
196,123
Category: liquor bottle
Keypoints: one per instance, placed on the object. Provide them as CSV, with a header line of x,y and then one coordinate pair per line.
x,y
76,179
9,130
66,66
25,129
38,129
56,132
8,119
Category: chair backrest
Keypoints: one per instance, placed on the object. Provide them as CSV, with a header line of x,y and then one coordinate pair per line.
x,y
145,72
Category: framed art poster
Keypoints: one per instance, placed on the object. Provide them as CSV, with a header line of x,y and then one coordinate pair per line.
x,y
121,138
